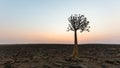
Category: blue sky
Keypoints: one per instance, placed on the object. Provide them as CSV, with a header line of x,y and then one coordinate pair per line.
x,y
45,21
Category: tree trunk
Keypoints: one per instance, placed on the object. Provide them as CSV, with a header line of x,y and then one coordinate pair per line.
x,y
75,49
75,37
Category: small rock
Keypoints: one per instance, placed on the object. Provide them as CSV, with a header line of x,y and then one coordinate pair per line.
x,y
103,66
109,61
36,59
8,65
68,59
77,66
58,64
34,66
46,66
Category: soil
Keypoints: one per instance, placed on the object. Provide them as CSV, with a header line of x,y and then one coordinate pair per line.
x,y
59,56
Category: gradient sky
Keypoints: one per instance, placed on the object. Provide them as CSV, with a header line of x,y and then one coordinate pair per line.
x,y
46,21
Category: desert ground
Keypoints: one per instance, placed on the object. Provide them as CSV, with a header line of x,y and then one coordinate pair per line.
x,y
59,56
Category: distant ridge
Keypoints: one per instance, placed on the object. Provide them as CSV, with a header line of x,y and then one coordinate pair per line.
x,y
63,44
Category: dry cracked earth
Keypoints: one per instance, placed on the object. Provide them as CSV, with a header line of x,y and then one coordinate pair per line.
x,y
58,56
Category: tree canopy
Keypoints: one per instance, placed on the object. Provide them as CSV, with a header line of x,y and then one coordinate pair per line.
x,y
78,22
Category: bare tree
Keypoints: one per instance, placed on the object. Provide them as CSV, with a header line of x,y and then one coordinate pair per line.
x,y
77,22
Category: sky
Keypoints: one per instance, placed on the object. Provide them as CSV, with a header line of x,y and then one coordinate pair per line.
x,y
46,21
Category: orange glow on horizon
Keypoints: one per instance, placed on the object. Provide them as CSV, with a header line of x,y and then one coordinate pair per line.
x,y
67,37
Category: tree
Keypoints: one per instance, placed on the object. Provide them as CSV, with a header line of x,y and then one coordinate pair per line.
x,y
77,22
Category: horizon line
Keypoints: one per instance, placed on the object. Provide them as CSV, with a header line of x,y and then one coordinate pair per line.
x,y
58,44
